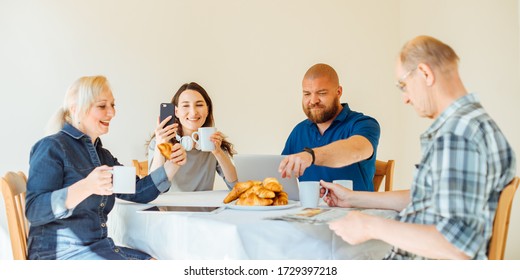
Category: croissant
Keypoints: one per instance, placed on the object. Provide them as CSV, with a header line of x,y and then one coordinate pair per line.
x,y
260,192
165,149
257,183
237,190
281,199
269,180
274,186
253,200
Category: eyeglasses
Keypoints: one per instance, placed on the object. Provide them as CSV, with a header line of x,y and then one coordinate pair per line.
x,y
400,84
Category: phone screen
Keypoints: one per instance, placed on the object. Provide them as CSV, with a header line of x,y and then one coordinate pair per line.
x,y
167,109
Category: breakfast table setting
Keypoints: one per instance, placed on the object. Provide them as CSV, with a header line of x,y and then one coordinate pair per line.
x,y
233,232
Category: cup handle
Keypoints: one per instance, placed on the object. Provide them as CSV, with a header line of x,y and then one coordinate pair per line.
x,y
193,136
326,192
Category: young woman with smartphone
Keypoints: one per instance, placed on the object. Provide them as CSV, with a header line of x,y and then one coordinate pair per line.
x,y
193,110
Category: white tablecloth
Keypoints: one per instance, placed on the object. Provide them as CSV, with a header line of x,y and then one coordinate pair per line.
x,y
230,234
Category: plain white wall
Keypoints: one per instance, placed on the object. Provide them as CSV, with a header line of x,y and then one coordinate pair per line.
x,y
250,56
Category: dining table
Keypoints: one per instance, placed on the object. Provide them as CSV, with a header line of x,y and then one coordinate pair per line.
x,y
235,234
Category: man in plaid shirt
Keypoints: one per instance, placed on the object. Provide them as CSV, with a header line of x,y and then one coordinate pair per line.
x,y
449,210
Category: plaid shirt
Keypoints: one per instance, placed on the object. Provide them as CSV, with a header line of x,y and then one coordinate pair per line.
x,y
466,163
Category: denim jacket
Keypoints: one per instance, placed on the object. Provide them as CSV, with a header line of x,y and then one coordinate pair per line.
x,y
57,162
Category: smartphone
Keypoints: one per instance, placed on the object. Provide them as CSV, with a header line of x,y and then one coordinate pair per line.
x,y
167,109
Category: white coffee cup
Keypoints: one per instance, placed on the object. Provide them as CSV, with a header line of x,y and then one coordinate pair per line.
x,y
310,193
203,135
123,179
345,183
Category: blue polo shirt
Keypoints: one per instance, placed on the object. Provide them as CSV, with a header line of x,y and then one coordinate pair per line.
x,y
346,124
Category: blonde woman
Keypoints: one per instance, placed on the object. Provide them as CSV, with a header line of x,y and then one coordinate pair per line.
x,y
69,189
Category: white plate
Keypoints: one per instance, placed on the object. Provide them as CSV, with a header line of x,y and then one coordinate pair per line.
x,y
289,204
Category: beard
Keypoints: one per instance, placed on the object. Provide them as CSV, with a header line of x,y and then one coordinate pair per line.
x,y
324,115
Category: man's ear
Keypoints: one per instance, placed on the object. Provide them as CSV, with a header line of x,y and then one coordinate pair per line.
x,y
340,91
427,73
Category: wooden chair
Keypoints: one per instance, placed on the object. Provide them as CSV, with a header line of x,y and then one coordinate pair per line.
x,y
497,244
14,187
141,168
384,170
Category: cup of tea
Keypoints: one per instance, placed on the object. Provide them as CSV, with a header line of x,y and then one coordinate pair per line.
x,y
310,193
203,138
123,179
345,183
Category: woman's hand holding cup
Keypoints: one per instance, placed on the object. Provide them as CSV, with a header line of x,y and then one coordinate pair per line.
x,y
100,180
217,139
335,195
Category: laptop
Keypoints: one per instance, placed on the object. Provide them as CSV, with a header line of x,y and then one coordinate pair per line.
x,y
259,167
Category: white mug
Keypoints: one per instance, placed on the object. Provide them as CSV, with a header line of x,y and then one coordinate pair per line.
x,y
345,183
123,179
310,193
204,133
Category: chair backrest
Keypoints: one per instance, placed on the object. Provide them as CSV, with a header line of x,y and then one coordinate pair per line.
x,y
497,244
141,168
384,170
14,187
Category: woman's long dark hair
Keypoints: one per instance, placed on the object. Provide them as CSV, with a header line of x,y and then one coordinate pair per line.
x,y
226,146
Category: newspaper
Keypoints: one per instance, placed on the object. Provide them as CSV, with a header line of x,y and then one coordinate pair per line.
x,y
312,215
325,215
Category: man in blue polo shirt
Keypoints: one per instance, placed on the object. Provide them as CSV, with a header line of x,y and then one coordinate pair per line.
x,y
334,143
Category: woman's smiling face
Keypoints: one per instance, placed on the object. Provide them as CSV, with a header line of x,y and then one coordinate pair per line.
x,y
96,122
191,111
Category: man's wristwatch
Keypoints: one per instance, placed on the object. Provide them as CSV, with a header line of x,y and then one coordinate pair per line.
x,y
310,151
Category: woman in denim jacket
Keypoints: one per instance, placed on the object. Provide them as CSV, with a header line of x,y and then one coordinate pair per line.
x,y
69,189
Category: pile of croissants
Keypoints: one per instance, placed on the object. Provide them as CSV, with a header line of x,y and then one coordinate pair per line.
x,y
249,193
258,193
